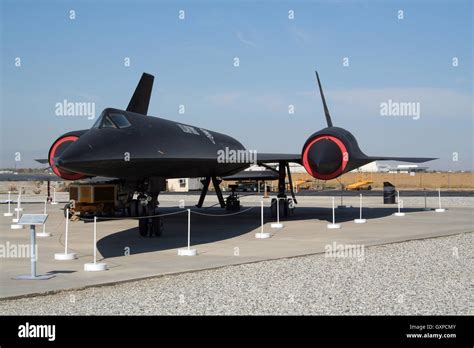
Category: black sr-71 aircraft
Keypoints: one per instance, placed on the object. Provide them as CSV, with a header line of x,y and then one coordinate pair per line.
x,y
142,152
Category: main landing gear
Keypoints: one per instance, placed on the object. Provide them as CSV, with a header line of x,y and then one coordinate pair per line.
x,y
145,207
286,206
231,203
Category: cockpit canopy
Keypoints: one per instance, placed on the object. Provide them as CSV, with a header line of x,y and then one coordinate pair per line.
x,y
112,119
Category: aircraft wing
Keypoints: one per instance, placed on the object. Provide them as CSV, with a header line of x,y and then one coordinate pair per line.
x,y
42,160
278,157
29,177
253,175
401,159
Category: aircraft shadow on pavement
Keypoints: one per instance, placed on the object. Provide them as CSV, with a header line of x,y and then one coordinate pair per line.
x,y
208,229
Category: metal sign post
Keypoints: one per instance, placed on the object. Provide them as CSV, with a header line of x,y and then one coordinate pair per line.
x,y
32,220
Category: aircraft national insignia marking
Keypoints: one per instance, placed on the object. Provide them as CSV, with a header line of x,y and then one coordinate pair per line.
x,y
188,129
208,135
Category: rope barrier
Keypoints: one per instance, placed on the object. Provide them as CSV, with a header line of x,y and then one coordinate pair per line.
x,y
166,214
223,215
133,217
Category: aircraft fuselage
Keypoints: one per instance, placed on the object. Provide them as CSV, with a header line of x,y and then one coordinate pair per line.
x,y
149,146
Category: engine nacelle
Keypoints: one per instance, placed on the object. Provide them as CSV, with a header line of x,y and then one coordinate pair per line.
x,y
330,153
57,149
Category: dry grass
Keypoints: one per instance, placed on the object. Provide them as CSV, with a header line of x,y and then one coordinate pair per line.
x,y
401,180
455,181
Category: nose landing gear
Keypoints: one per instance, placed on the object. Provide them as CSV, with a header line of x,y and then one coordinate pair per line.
x,y
145,207
149,227
232,202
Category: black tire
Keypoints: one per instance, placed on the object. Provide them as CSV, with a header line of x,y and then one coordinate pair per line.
x,y
283,208
143,227
134,208
273,208
157,226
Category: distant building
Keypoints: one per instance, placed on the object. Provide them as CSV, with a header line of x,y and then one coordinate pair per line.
x,y
372,167
408,169
294,167
184,184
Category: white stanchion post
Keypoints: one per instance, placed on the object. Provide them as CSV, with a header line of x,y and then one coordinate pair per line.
x,y
44,233
439,210
18,203
399,202
65,255
426,207
188,251
95,267
262,234
277,224
360,220
333,225
54,202
9,213
15,225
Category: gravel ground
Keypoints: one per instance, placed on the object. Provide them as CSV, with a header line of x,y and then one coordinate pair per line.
x,y
424,277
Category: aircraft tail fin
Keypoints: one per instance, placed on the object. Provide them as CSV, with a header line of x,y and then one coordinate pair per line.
x,y
141,97
326,110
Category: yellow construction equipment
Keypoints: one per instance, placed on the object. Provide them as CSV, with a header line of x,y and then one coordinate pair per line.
x,y
360,185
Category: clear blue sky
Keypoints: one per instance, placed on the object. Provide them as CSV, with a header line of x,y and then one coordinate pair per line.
x,y
407,60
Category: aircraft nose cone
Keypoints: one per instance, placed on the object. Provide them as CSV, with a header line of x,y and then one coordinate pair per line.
x,y
325,156
71,158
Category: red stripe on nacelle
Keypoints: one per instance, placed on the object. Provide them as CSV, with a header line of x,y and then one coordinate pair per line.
x,y
339,171
61,172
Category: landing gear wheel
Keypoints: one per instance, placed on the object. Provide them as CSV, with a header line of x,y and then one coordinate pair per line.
x,y
273,207
232,203
283,205
143,227
135,208
157,226
282,208
286,207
